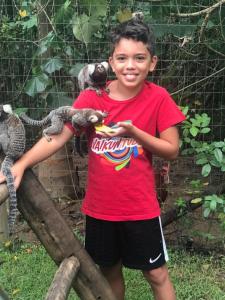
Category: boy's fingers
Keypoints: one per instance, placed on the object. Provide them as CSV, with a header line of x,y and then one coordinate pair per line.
x,y
2,178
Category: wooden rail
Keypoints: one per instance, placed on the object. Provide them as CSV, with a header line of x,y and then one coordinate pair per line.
x,y
66,273
58,238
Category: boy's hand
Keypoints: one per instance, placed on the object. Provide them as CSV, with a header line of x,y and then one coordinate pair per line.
x,y
121,128
2,178
17,175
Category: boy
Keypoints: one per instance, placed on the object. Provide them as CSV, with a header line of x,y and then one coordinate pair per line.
x,y
123,217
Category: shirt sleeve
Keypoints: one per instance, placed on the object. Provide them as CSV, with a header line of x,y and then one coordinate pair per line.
x,y
169,114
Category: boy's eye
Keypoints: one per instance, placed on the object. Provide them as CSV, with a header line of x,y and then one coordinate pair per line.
x,y
140,58
120,58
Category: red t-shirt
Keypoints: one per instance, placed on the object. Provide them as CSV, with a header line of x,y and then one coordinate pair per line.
x,y
120,182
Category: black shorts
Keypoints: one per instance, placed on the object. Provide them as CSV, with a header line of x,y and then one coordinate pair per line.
x,y
137,244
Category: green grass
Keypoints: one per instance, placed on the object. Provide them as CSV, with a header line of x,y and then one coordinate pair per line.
x,y
27,272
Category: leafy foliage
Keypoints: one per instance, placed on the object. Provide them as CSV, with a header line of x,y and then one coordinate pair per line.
x,y
77,33
208,154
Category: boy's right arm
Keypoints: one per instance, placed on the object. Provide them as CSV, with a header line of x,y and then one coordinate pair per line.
x,y
39,152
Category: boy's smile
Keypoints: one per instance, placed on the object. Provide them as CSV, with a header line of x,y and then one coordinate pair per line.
x,y
131,62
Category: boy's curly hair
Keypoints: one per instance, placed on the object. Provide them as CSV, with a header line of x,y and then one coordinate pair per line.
x,y
133,29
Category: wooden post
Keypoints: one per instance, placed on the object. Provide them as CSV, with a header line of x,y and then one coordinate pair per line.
x,y
60,287
4,229
58,239
3,295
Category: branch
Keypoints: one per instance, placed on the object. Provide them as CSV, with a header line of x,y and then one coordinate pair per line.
x,y
199,81
3,193
175,213
207,10
203,27
214,50
63,279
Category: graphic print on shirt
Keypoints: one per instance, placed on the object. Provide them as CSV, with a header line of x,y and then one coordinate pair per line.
x,y
116,151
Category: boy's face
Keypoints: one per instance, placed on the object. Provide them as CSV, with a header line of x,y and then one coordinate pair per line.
x,y
131,62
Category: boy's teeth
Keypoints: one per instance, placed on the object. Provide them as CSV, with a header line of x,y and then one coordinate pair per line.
x,y
130,76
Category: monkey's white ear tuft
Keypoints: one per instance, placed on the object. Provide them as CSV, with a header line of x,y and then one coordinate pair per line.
x,y
103,113
93,119
105,65
7,108
91,68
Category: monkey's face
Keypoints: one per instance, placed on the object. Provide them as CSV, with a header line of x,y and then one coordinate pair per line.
x,y
99,75
86,117
102,67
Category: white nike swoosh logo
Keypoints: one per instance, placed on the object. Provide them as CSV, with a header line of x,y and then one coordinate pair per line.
x,y
154,260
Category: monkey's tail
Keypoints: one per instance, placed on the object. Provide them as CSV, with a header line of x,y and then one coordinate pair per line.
x,y
77,145
6,170
33,122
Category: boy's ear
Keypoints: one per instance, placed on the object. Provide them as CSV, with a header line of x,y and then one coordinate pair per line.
x,y
153,63
111,63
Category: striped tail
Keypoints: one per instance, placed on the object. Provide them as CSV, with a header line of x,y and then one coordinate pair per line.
x,y
33,122
6,170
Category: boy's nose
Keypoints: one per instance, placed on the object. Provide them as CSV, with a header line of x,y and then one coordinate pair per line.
x,y
130,64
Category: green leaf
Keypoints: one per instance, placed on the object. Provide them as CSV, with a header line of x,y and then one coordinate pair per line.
x,y
185,110
215,163
206,212
219,144
74,71
218,154
194,131
206,169
187,140
37,84
45,43
196,200
52,65
69,51
55,99
20,110
30,23
205,130
201,161
95,8
63,13
41,49
220,200
177,30
213,205
84,27
124,15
